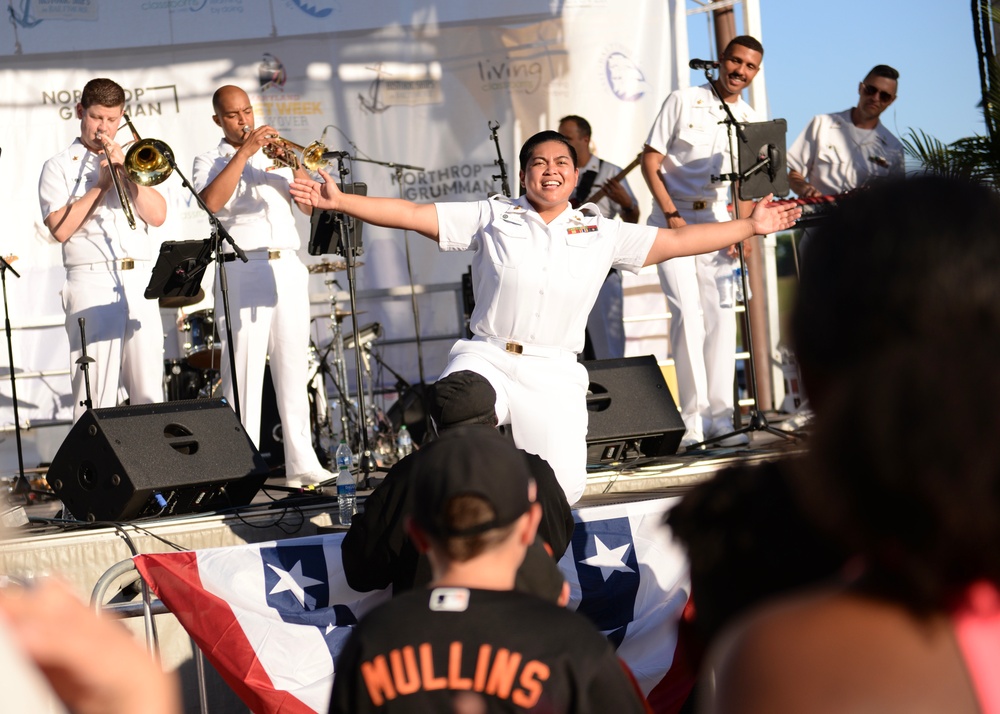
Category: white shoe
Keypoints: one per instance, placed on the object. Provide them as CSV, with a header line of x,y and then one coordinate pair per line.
x,y
313,478
724,426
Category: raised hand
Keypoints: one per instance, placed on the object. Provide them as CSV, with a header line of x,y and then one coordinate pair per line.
x,y
770,218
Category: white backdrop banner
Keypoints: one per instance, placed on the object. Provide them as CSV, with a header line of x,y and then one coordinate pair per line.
x,y
414,84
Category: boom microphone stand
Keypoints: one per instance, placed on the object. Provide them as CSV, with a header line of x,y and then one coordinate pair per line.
x,y
219,233
771,160
398,170
21,485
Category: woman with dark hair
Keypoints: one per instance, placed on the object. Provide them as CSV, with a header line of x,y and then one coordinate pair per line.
x,y
897,330
537,269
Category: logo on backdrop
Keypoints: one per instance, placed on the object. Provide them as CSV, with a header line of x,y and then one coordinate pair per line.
x,y
460,181
509,75
271,73
323,8
139,101
624,78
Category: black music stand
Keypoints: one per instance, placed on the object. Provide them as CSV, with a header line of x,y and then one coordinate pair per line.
x,y
179,269
325,234
762,170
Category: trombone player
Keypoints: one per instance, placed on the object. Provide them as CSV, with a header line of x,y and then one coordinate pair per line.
x,y
108,263
251,198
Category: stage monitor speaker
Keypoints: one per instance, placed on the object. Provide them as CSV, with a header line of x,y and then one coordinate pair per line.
x,y
631,411
155,460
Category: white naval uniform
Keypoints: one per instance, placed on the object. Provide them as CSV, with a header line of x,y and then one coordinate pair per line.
x,y
694,142
268,301
835,156
124,329
535,285
604,325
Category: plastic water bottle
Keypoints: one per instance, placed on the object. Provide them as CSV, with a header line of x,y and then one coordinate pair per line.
x,y
404,442
738,284
346,487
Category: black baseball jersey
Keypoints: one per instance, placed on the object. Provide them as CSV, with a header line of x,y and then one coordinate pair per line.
x,y
425,649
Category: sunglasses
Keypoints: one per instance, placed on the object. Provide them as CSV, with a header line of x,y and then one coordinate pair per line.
x,y
871,91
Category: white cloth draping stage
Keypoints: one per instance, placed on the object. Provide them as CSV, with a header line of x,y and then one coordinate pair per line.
x,y
392,83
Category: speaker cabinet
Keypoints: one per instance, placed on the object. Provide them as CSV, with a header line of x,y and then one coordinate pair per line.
x,y
631,411
152,460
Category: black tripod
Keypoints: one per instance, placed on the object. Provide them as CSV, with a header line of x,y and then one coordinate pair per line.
x,y
761,172
21,485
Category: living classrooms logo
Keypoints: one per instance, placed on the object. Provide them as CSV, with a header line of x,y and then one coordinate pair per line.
x,y
139,101
510,75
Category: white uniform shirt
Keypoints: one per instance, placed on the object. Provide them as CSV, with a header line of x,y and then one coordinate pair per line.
x,y
605,170
536,283
690,134
259,213
835,156
106,235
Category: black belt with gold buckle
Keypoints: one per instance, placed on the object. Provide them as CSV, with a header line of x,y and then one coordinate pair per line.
x,y
699,205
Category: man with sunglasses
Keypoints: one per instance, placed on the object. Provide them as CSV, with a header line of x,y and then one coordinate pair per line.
x,y
840,152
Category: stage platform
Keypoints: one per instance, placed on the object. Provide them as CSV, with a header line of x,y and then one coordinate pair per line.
x,y
83,553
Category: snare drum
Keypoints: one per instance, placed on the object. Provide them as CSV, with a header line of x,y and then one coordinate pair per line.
x,y
200,339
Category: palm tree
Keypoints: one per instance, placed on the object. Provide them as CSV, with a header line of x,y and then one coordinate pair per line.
x,y
975,158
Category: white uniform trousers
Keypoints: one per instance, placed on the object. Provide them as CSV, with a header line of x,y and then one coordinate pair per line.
x,y
265,325
124,335
604,324
702,332
544,399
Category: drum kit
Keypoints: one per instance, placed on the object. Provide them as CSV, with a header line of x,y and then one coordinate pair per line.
x,y
196,373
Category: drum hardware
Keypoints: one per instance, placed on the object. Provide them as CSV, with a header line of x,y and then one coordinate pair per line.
x,y
201,347
331,267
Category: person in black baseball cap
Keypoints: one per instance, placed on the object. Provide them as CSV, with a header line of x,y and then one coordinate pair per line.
x,y
376,551
470,641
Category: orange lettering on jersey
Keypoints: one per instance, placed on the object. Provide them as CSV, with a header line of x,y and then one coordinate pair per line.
x,y
503,672
405,672
482,667
427,669
377,680
455,679
532,676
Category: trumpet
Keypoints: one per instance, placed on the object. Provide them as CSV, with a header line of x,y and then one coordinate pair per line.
x,y
285,154
147,163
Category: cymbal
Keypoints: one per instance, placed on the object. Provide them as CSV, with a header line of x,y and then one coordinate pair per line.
x,y
182,300
332,267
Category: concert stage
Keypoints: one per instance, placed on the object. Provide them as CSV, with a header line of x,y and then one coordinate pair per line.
x,y
84,553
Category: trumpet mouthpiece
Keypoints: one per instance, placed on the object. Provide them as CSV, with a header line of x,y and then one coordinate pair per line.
x,y
246,129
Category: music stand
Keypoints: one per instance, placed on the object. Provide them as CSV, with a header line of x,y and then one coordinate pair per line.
x,y
324,227
761,161
763,169
179,269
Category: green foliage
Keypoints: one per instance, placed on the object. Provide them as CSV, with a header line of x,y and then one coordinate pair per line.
x,y
974,158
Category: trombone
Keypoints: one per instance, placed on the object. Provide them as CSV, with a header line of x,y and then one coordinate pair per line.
x,y
147,163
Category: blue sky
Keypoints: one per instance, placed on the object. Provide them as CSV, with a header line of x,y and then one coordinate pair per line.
x,y
816,52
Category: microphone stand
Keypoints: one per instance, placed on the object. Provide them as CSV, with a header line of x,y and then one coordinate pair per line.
x,y
366,460
21,485
757,420
219,233
398,170
504,185
85,361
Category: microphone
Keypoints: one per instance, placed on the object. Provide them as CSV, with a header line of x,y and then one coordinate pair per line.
x,y
328,155
703,64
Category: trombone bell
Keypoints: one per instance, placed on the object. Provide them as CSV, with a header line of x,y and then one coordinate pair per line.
x,y
146,162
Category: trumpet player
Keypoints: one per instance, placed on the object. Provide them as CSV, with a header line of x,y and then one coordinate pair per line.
x,y
108,264
268,295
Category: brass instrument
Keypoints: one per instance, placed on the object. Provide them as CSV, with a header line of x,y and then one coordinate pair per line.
x,y
283,153
147,163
